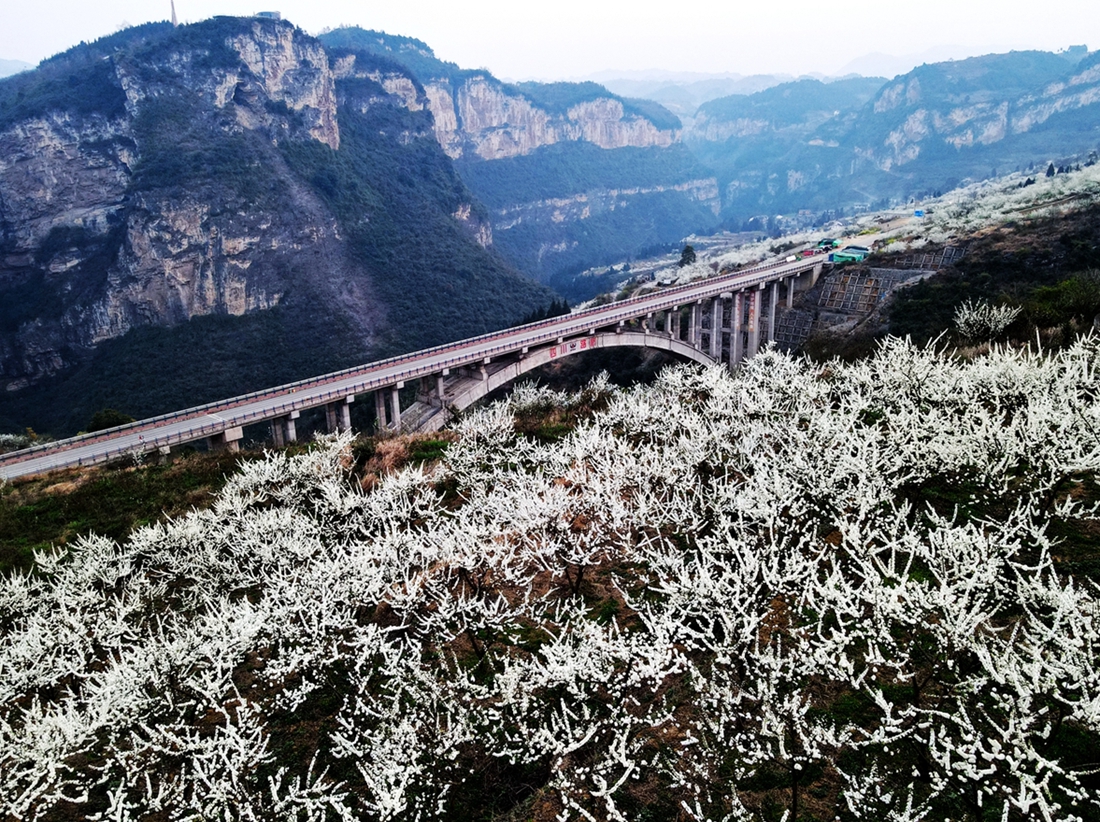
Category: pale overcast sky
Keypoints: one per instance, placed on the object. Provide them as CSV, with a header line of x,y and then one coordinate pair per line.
x,y
569,39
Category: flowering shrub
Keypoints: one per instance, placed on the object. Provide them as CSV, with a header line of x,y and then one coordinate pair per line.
x,y
13,442
981,321
794,592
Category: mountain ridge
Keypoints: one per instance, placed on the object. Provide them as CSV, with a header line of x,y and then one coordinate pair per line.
x,y
225,170
930,129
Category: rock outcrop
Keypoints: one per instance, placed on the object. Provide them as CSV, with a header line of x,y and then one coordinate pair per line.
x,y
968,105
483,117
116,256
210,172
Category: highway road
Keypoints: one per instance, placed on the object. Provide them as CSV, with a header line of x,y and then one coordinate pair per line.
x,y
209,420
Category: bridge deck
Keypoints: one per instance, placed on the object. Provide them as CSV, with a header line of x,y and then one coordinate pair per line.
x,y
215,418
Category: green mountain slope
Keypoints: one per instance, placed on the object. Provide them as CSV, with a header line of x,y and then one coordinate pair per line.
x,y
226,174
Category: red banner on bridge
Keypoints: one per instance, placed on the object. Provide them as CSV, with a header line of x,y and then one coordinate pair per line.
x,y
572,347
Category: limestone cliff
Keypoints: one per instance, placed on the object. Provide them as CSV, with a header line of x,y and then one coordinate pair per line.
x,y
231,168
570,172
117,257
480,116
970,104
810,148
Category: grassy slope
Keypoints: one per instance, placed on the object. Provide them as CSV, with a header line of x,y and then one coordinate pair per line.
x,y
53,511
1041,266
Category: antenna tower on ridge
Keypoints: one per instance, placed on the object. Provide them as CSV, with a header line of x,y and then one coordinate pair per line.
x,y
175,22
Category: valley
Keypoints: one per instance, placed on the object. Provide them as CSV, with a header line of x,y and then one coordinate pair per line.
x,y
492,451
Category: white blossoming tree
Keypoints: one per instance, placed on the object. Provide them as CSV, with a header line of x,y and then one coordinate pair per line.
x,y
798,592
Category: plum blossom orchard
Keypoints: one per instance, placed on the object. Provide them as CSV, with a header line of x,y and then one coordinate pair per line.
x,y
796,592
958,213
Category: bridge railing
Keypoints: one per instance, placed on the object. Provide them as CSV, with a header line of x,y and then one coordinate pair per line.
x,y
519,335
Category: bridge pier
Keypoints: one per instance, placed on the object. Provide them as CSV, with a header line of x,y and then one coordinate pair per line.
x,y
674,326
789,283
695,332
773,301
338,415
736,343
227,440
379,410
440,397
756,307
395,406
716,327
283,429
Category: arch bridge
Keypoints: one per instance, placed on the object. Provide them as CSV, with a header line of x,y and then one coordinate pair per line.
x,y
724,318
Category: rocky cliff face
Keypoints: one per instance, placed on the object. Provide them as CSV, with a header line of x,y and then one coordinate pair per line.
x,y
967,106
584,206
207,170
813,147
116,258
482,117
570,172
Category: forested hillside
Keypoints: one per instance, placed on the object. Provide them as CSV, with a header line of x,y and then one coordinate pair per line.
x,y
859,142
189,213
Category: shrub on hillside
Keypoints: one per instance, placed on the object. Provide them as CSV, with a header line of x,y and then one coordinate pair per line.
x,y
798,592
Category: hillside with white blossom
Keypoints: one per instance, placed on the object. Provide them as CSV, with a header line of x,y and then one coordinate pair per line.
x,y
798,592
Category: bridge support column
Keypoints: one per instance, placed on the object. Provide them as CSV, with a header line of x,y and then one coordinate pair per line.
x,y
338,415
227,440
773,301
647,322
673,321
380,410
344,412
756,305
716,328
817,273
789,282
283,429
395,406
695,333
440,397
737,312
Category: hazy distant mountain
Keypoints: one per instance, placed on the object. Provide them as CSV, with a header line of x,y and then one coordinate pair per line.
x,y
684,96
878,64
813,146
10,67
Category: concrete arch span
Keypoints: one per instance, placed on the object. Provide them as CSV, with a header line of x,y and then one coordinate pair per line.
x,y
466,390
